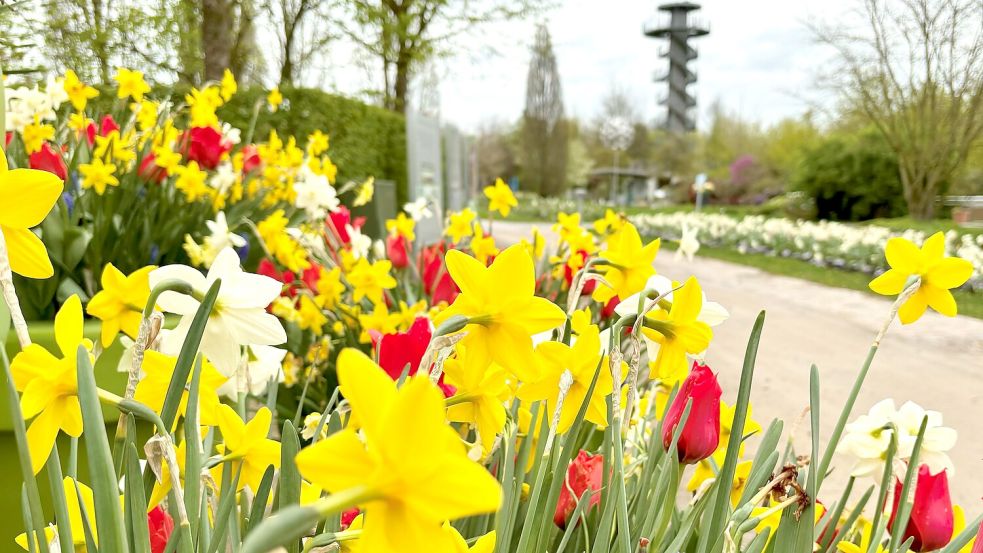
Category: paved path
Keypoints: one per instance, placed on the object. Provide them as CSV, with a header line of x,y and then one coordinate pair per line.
x,y
936,362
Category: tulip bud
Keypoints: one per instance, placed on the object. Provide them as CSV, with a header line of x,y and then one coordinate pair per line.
x,y
701,435
931,519
396,251
585,472
47,159
160,525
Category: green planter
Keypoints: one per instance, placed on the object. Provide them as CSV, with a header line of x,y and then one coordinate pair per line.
x,y
108,378
383,206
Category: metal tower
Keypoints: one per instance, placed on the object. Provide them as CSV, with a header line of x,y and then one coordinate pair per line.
x,y
678,27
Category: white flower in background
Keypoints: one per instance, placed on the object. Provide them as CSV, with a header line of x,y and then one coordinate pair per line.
x,y
418,209
231,134
688,243
55,89
314,194
223,179
239,317
869,437
361,244
311,422
220,237
379,249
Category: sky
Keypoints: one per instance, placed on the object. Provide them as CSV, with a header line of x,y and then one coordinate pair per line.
x,y
759,60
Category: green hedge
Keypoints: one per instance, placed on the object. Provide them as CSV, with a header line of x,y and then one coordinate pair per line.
x,y
365,140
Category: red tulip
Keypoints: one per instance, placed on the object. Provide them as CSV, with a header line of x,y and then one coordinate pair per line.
x,y
397,250
266,268
701,435
569,273
978,544
204,145
149,171
340,219
585,471
437,282
7,137
108,125
311,275
396,351
348,516
250,158
47,159
160,525
608,308
931,520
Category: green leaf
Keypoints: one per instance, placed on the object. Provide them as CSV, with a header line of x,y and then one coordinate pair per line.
x,y
260,500
135,501
102,474
287,526
55,483
289,484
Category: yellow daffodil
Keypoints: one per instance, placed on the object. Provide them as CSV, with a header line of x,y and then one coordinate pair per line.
x,y
317,143
310,316
120,303
566,224
864,546
500,198
371,280
402,226
202,105
483,245
98,175
480,396
581,361
166,158
751,426
35,135
502,307
228,86
131,84
938,275
191,181
629,264
78,122
459,224
329,288
610,223
49,385
771,518
364,193
162,487
75,510
245,446
26,197
158,371
407,496
274,99
705,471
409,313
959,524
115,147
146,114
78,92
379,320
677,332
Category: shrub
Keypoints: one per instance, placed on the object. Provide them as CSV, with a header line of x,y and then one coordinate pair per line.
x,y
851,178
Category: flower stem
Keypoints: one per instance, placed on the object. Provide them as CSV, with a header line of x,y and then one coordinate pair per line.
x,y
10,295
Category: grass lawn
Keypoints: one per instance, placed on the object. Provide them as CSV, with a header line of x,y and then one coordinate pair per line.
x,y
969,303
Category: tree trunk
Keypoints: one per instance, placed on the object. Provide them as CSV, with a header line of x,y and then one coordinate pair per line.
x,y
920,189
401,84
216,37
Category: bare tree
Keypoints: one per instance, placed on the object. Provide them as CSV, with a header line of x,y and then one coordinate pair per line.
x,y
915,69
302,30
404,34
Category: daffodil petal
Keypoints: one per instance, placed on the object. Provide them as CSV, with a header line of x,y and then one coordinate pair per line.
x,y
458,488
940,299
29,195
934,247
903,255
467,272
948,273
511,270
337,462
68,327
890,283
28,256
366,387
41,437
914,308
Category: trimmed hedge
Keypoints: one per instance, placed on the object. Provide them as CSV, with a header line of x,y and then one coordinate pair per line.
x,y
365,140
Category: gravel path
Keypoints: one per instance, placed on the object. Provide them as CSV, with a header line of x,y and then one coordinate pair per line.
x,y
936,362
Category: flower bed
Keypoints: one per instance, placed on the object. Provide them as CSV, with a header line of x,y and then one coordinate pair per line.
x,y
854,247
487,399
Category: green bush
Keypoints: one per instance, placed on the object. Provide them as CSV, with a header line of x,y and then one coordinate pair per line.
x,y
851,178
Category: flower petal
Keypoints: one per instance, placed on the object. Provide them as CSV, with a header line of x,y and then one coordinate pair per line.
x,y
41,436
467,272
914,308
337,462
366,386
951,272
252,326
903,255
28,256
890,283
68,327
940,299
28,196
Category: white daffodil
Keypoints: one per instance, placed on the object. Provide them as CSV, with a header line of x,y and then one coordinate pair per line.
x,y
418,209
220,237
225,176
239,317
688,243
869,437
264,366
361,244
314,194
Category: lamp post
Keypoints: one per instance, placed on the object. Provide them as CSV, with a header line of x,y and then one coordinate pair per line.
x,y
616,134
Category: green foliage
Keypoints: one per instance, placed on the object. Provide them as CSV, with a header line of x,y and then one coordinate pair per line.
x,y
852,178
